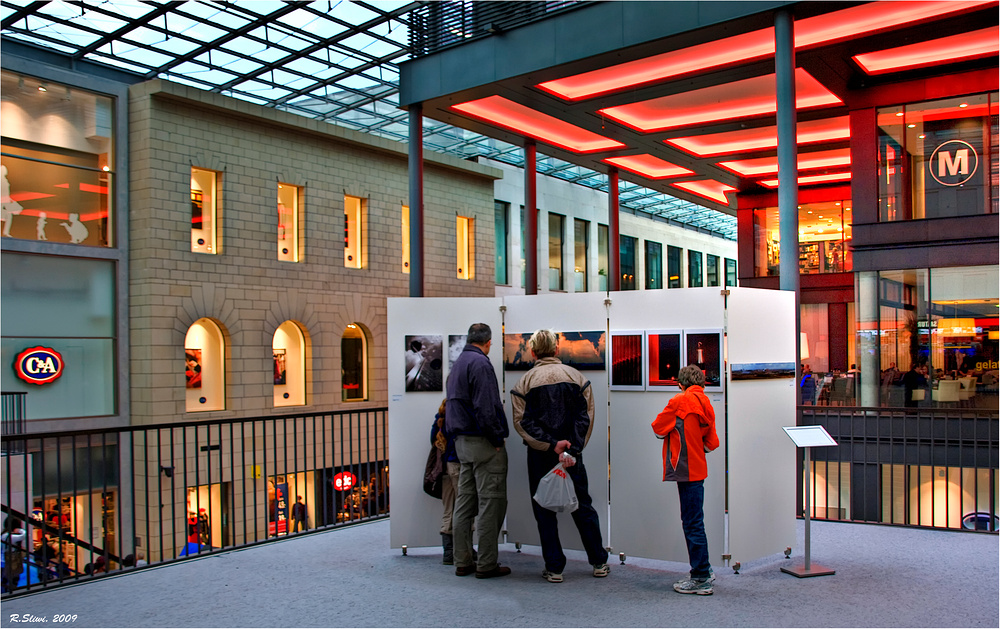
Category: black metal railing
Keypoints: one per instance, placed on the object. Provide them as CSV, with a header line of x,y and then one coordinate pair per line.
x,y
103,501
12,417
910,466
439,25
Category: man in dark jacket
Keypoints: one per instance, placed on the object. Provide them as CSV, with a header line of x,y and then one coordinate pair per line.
x,y
554,413
474,415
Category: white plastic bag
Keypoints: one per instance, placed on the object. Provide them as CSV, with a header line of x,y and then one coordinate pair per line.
x,y
556,491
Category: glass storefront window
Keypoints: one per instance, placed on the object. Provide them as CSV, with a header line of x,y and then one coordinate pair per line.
x,y
57,157
654,265
354,364
938,158
824,239
288,222
626,257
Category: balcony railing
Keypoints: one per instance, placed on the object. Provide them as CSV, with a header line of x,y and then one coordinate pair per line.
x,y
103,501
12,419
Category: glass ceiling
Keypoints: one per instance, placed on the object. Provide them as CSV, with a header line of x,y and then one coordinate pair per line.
x,y
331,60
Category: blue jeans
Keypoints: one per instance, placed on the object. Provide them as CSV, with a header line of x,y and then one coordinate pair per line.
x,y
692,496
585,517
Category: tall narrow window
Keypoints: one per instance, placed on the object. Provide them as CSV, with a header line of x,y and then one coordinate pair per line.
x,y
602,257
464,236
674,267
730,272
354,363
289,348
406,239
712,269
501,232
627,260
354,219
581,235
654,265
204,211
694,269
204,367
556,224
288,222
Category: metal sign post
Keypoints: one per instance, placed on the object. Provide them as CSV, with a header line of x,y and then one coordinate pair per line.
x,y
808,437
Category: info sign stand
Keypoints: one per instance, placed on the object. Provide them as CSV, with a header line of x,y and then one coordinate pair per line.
x,y
808,437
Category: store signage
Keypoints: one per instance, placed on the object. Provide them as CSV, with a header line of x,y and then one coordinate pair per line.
x,y
953,163
343,481
39,365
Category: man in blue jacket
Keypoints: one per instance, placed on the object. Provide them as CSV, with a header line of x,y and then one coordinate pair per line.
x,y
474,415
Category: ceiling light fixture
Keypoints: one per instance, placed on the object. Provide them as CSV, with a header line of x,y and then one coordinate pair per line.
x,y
713,144
648,166
961,47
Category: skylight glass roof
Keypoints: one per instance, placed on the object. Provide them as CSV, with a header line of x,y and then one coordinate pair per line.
x,y
333,60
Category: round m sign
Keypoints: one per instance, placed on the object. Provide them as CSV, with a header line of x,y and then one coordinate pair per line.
x,y
953,163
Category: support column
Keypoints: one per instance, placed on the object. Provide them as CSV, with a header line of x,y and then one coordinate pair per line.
x,y
530,215
614,244
416,174
788,185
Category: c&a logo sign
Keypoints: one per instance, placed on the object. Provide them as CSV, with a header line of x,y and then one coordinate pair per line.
x,y
39,365
953,163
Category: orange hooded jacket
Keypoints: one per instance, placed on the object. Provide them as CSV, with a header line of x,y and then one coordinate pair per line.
x,y
687,427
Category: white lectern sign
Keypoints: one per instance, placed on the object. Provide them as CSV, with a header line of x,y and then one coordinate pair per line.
x,y
808,437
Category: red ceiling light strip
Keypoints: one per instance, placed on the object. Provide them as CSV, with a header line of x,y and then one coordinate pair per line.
x,y
825,130
806,161
965,46
505,113
749,97
843,24
808,180
648,166
707,188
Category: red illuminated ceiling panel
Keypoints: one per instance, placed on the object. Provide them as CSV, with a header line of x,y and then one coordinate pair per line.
x,y
806,161
825,130
838,25
749,97
809,180
648,166
960,47
707,188
505,113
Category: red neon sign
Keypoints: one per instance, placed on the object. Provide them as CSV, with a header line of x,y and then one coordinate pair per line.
x,y
343,481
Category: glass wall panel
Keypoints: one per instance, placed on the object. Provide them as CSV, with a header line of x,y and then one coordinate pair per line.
x,y
824,239
626,258
56,174
557,223
937,158
694,269
581,237
501,232
602,257
288,222
654,265
674,267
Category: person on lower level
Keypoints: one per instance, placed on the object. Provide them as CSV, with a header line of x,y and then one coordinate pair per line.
x,y
687,427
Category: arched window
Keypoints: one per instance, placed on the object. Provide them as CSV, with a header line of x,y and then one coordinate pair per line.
x,y
354,363
289,347
204,367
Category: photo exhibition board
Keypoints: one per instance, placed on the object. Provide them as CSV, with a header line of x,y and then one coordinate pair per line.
x,y
762,458
563,313
645,513
438,325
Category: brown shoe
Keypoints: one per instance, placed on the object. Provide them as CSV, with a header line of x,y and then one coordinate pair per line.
x,y
464,571
499,571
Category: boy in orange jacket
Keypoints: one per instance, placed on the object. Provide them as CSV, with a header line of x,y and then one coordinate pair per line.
x,y
687,427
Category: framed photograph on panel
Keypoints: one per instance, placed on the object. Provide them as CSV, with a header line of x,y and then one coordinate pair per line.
x,y
456,343
582,350
423,362
627,364
279,366
517,355
664,353
704,348
192,368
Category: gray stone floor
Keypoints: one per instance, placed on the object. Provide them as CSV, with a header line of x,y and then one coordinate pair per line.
x,y
886,577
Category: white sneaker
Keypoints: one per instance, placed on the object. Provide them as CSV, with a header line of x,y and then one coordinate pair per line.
x,y
602,570
552,577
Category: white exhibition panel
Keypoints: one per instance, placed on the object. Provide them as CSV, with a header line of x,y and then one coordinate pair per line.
x,y
416,517
571,312
645,512
761,456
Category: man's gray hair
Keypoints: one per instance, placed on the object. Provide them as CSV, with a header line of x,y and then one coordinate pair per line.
x,y
544,343
479,334
691,376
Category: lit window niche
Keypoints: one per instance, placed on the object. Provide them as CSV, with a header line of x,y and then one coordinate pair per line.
x,y
354,219
464,236
204,211
288,222
406,239
354,363
289,348
204,367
